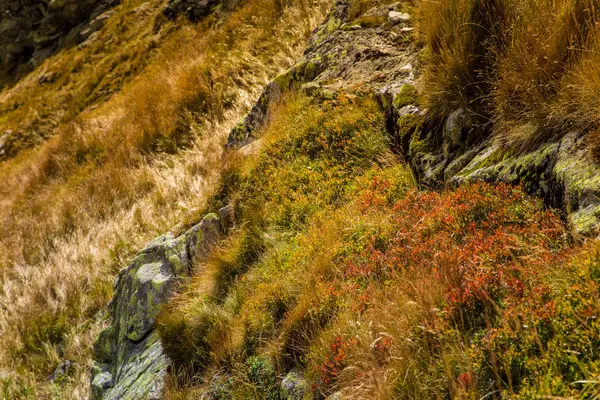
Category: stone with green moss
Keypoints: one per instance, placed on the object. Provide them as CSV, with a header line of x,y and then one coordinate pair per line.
x,y
407,126
408,95
129,359
293,386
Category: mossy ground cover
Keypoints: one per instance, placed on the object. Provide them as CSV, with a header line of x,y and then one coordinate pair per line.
x,y
342,269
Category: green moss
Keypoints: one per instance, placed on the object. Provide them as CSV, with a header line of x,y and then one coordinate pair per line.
x,y
333,24
284,81
407,96
369,21
407,126
310,70
419,146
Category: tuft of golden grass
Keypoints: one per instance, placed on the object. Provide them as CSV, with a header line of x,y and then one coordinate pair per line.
x,y
528,67
75,209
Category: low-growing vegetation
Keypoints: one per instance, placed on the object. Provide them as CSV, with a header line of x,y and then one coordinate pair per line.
x,y
341,269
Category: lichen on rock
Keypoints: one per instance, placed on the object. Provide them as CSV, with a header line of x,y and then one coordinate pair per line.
x,y
129,361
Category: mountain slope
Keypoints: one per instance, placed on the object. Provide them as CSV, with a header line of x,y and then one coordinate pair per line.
x,y
79,205
336,242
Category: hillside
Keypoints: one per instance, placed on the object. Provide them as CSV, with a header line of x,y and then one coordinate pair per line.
x,y
300,200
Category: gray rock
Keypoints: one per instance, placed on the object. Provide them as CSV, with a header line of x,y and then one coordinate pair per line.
x,y
202,237
62,370
129,360
337,59
293,386
227,217
408,110
3,142
455,124
397,17
95,25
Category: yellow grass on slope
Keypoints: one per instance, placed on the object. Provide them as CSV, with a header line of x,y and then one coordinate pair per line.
x,y
82,76
76,209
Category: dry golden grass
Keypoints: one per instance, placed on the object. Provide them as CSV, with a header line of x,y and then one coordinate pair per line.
x,y
530,67
84,76
75,209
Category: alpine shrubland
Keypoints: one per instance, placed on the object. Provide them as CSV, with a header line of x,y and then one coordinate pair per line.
x,y
342,270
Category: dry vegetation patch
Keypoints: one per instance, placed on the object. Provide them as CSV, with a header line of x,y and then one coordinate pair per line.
x,y
77,208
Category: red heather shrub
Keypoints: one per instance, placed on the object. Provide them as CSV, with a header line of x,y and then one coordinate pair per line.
x,y
474,241
331,367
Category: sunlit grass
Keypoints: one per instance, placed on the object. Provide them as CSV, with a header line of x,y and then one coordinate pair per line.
x,y
75,209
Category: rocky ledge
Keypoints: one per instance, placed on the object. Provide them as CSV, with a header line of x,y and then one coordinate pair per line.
x,y
561,172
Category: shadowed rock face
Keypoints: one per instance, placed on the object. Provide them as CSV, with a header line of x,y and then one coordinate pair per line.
x,y
129,361
194,10
31,30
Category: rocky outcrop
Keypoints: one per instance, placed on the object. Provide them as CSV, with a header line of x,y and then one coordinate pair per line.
x,y
343,56
31,30
560,172
129,361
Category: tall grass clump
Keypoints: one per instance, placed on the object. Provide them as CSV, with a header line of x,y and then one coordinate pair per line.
x,y
539,72
517,66
461,37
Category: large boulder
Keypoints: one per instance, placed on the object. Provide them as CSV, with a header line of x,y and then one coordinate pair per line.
x,y
129,361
